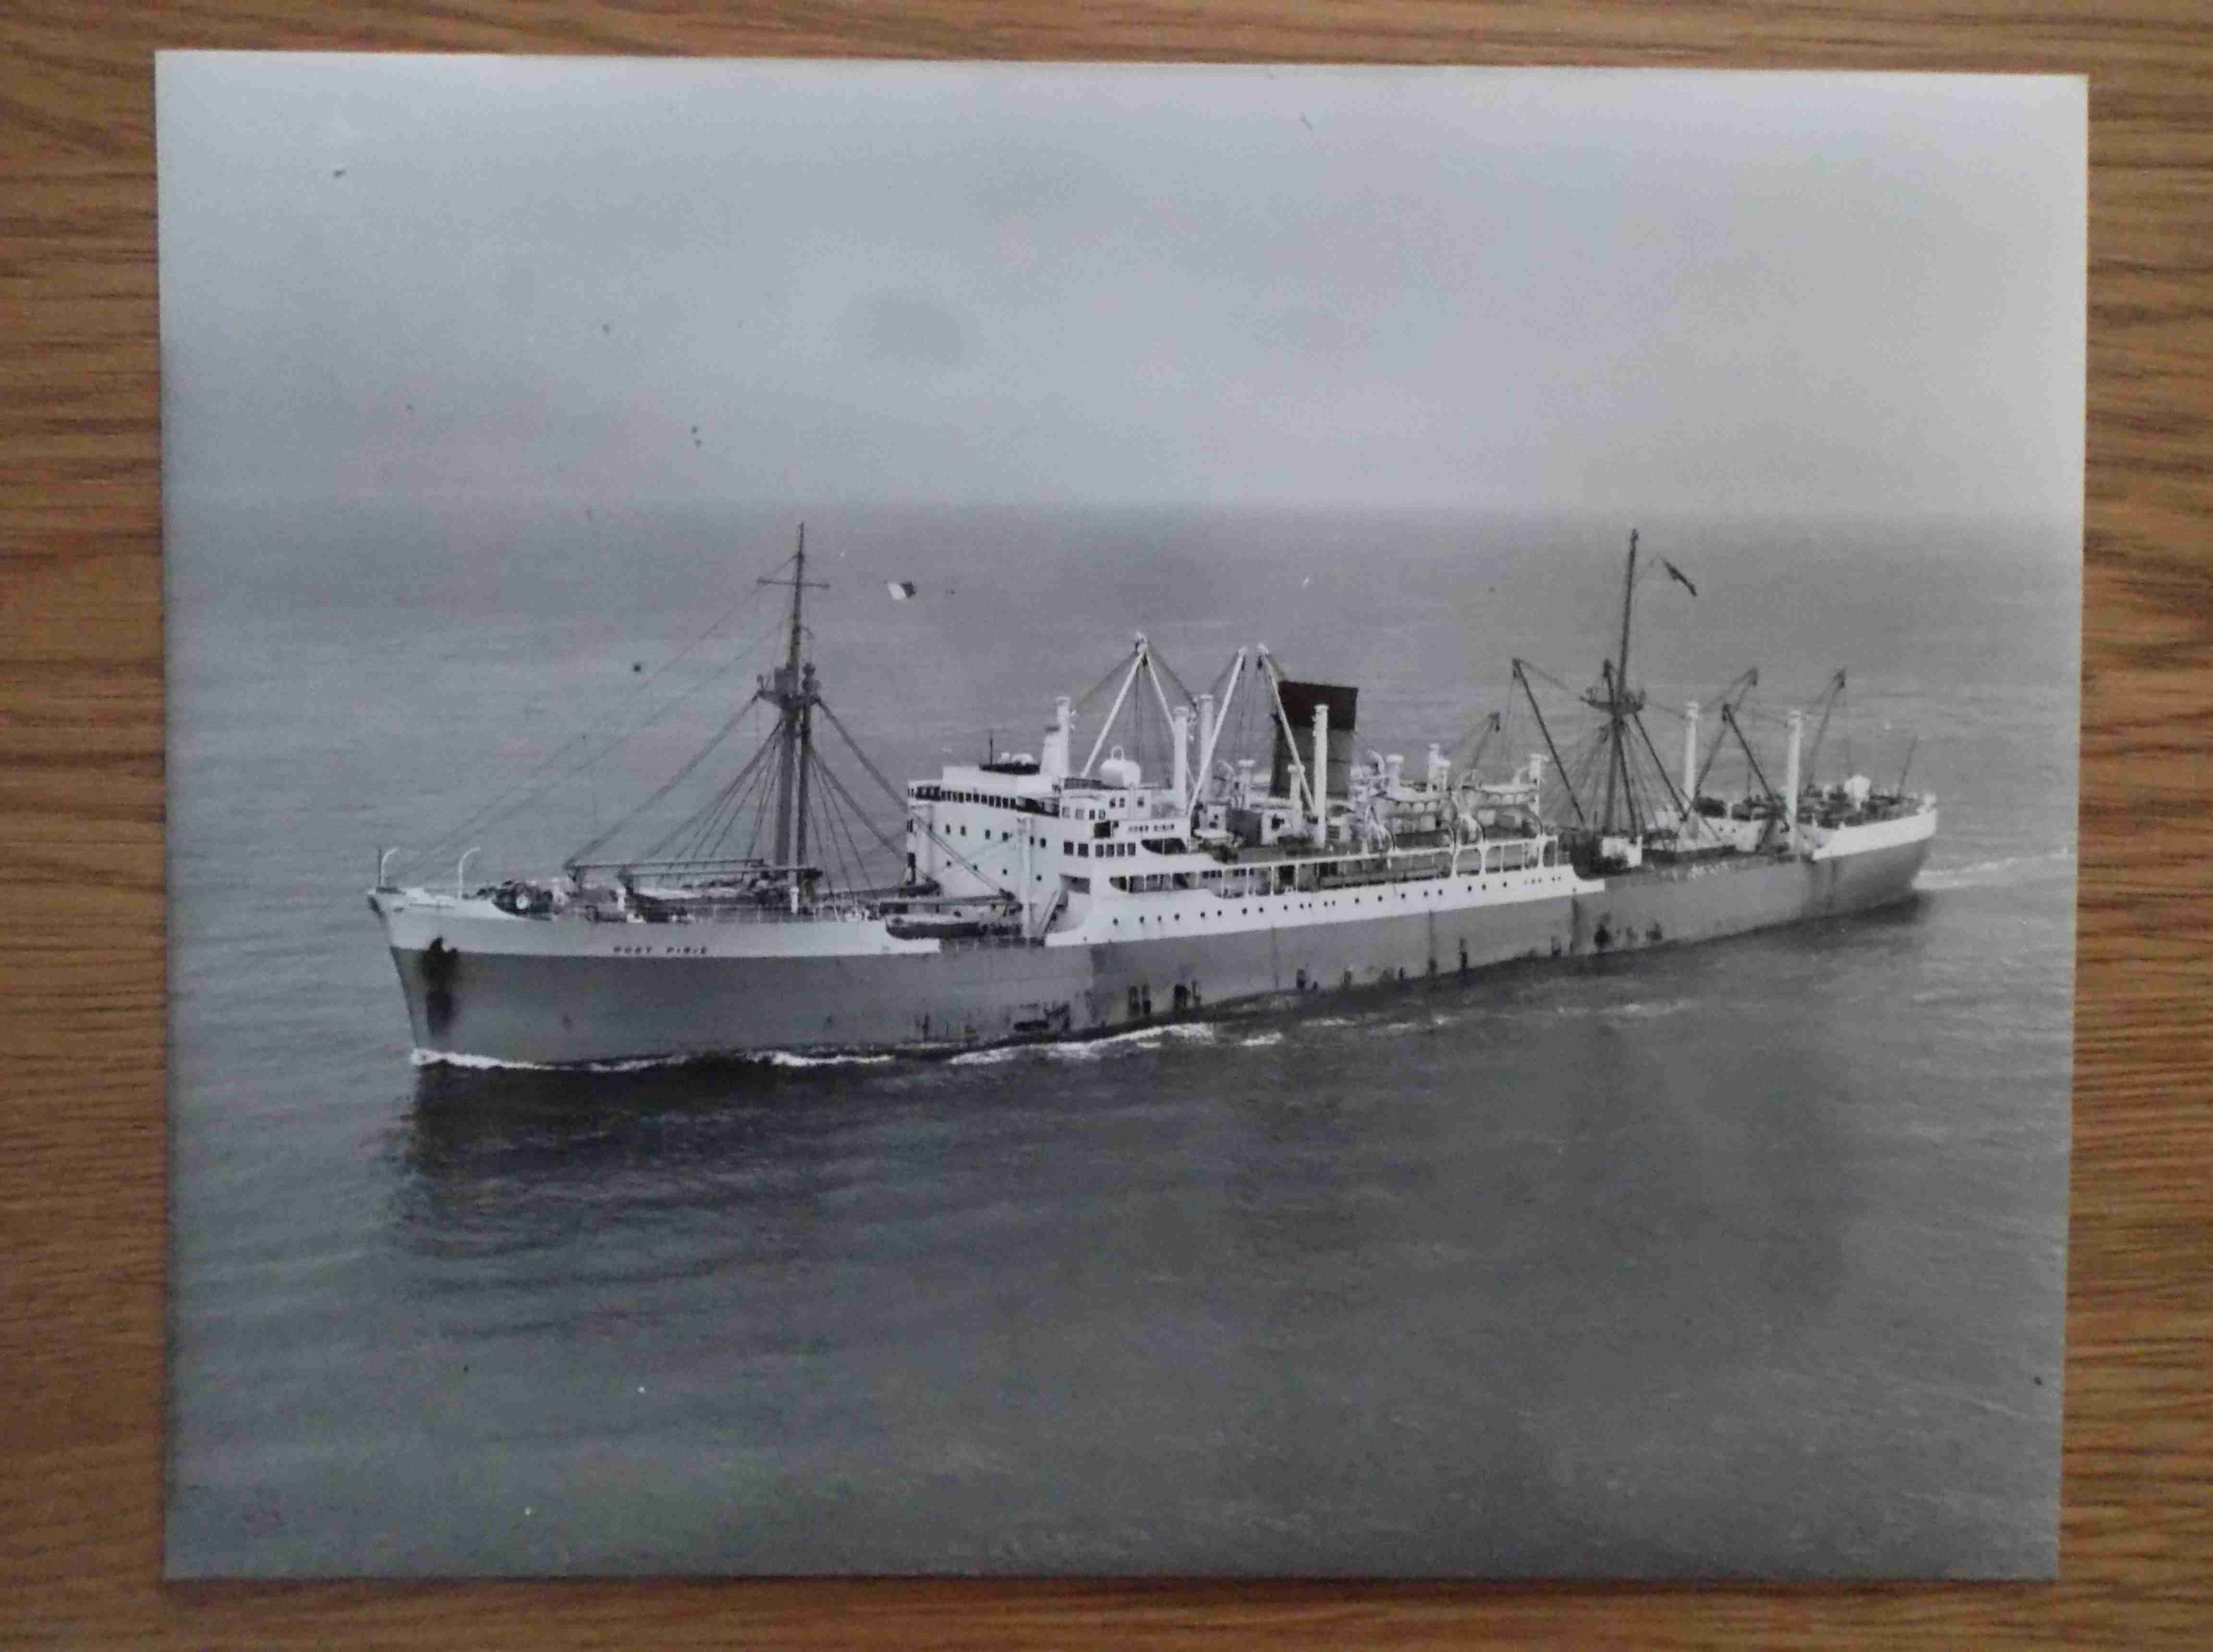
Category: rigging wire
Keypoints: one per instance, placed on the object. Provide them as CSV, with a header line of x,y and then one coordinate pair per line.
x,y
1091,695
890,845
852,854
899,797
1529,669
492,813
1490,724
1147,738
1676,800
673,781
760,824
1220,686
816,826
1182,695
843,873
701,818
834,783
711,824
1250,694
636,694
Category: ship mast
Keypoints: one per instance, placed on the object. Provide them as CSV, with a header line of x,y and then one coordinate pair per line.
x,y
792,691
1619,706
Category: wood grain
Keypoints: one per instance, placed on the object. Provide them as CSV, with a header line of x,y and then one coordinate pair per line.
x,y
81,1170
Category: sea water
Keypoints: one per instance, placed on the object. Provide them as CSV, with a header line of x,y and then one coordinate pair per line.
x,y
1744,1257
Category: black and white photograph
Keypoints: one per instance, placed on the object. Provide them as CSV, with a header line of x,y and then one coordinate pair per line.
x,y
1117,819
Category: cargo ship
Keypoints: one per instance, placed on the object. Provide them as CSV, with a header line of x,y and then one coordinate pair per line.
x,y
1045,895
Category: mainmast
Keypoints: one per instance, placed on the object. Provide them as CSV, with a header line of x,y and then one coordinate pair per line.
x,y
1619,706
793,692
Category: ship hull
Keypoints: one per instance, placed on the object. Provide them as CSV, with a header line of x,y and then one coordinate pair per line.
x,y
1662,906
477,993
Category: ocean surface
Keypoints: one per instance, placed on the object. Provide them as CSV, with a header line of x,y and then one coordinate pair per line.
x,y
1740,1258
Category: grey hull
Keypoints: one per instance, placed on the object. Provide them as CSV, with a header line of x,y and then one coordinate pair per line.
x,y
555,1009
1660,907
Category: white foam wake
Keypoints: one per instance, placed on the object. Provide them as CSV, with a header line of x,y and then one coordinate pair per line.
x,y
1141,1037
1635,1010
984,1057
638,1064
476,1064
2010,869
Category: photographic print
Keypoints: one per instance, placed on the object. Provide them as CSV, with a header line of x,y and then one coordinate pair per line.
x,y
1117,819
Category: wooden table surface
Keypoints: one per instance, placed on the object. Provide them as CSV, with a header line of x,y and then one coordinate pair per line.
x,y
82,1172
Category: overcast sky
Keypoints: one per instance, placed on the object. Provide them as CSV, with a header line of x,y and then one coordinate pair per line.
x,y
442,278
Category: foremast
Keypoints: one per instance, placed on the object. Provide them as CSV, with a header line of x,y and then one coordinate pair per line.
x,y
791,689
784,830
